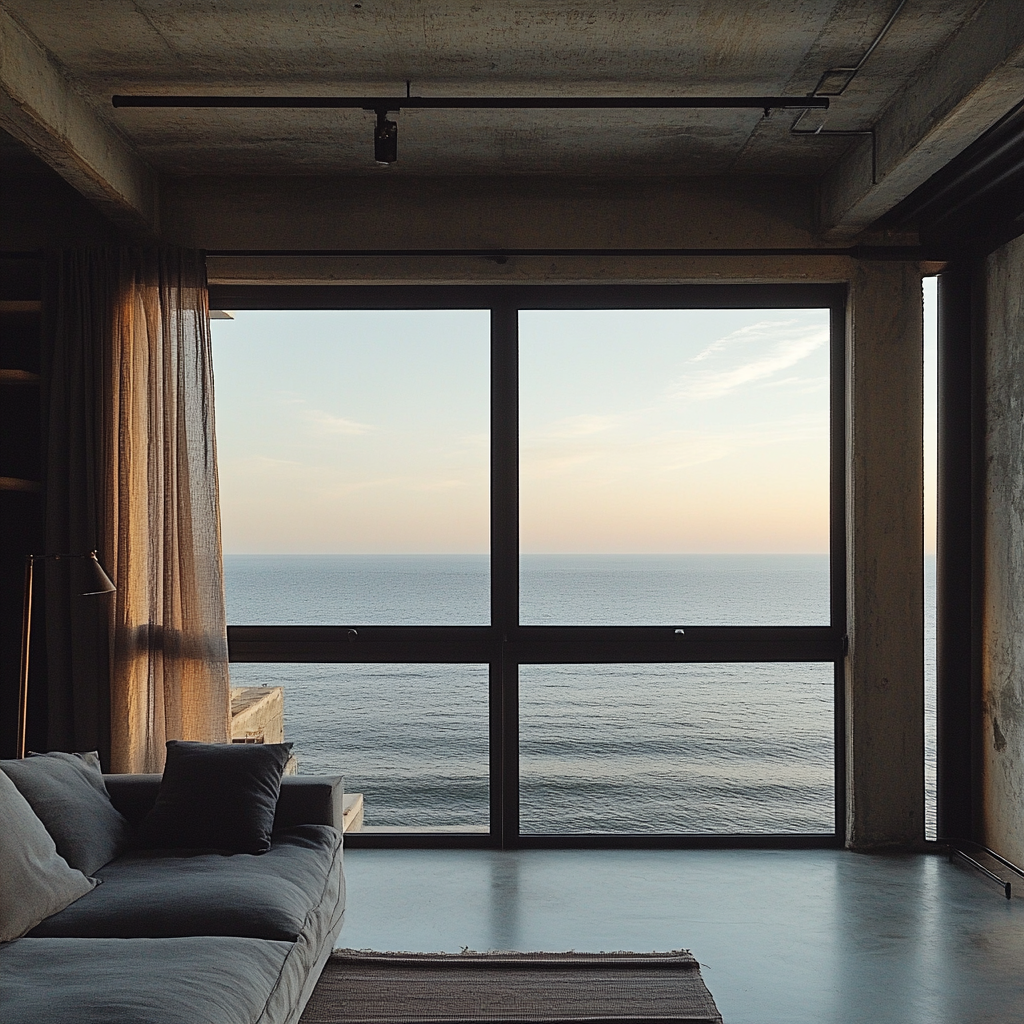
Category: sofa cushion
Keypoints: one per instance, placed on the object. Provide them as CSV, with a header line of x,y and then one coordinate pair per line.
x,y
217,795
36,880
155,894
146,981
67,793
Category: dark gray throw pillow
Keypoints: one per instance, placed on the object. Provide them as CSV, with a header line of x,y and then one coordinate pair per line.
x,y
68,795
216,796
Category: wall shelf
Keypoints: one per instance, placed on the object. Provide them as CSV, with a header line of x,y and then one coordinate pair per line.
x,y
20,306
11,376
16,483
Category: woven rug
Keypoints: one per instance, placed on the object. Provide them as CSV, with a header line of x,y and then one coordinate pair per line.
x,y
537,988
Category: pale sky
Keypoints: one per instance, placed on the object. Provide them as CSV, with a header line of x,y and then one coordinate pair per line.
x,y
641,431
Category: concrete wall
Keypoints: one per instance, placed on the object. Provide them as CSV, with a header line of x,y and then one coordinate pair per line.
x,y
488,213
885,545
1002,676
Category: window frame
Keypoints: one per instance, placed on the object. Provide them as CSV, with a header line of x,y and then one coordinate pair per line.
x,y
505,644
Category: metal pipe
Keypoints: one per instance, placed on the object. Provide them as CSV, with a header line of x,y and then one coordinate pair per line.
x,y
851,72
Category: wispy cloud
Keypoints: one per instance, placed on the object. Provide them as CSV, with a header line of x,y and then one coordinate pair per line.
x,y
662,451
327,423
798,385
581,426
777,344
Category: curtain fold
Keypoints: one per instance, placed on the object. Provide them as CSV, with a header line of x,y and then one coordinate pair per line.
x,y
132,471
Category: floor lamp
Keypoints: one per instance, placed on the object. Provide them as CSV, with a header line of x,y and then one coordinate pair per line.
x,y
95,582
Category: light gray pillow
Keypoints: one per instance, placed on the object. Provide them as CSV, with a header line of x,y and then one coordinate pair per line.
x,y
69,797
37,881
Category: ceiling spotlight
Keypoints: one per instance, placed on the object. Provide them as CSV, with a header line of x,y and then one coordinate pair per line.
x,y
385,139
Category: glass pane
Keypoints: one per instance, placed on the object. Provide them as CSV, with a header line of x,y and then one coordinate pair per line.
x,y
412,738
723,748
674,467
354,453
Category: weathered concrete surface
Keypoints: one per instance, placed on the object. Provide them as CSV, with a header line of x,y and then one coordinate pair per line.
x,y
487,213
885,544
944,72
448,270
964,90
257,714
486,47
1002,727
40,108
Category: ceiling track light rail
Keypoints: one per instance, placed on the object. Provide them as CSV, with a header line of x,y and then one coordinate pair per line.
x,y
385,132
394,104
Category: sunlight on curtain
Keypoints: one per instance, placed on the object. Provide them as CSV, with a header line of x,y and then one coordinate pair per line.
x,y
144,349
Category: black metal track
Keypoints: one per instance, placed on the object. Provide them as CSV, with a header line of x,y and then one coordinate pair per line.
x,y
394,103
565,645
553,296
592,841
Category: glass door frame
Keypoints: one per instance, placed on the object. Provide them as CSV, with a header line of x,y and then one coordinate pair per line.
x,y
505,644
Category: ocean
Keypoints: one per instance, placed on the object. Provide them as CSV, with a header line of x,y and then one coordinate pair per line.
x,y
697,748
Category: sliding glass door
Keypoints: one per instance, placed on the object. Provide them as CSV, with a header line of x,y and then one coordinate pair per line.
x,y
541,566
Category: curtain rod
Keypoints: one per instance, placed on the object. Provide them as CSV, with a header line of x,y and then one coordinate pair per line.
x,y
879,252
864,252
394,103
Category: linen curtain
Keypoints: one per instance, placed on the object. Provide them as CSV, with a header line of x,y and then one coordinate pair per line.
x,y
132,471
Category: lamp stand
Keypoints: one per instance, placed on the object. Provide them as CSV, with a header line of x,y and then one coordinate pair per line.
x,y
26,639
96,582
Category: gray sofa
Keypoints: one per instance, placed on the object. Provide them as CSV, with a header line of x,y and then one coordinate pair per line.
x,y
182,937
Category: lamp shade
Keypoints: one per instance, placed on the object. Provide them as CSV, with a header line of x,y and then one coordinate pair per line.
x,y
95,580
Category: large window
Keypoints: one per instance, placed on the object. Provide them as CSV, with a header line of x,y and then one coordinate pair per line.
x,y
544,565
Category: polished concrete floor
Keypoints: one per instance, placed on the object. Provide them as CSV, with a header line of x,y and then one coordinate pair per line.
x,y
784,937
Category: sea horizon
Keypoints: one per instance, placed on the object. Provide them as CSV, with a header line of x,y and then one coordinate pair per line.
x,y
674,748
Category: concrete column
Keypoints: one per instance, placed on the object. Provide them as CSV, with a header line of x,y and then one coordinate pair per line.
x,y
1001,739
885,559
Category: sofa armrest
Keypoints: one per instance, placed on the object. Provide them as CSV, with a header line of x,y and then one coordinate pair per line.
x,y
304,799
310,800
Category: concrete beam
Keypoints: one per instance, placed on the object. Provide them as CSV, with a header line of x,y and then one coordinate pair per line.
x,y
973,82
522,212
40,108
585,270
885,557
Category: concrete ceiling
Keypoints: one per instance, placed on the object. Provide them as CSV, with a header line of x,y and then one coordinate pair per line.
x,y
485,47
944,72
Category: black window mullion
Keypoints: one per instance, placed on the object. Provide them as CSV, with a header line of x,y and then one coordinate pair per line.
x,y
504,569
837,547
837,469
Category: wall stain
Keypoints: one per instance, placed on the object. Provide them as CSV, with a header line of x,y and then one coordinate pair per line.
x,y
999,738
